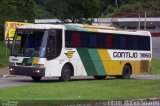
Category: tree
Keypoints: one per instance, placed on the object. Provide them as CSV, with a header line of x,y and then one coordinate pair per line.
x,y
75,9
7,13
20,10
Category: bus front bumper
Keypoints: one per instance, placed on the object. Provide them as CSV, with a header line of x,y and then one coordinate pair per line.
x,y
27,71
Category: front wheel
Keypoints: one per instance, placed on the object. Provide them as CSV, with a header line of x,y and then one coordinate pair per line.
x,y
66,73
36,78
100,77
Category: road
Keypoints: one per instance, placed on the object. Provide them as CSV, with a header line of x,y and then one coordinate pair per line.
x,y
10,81
156,46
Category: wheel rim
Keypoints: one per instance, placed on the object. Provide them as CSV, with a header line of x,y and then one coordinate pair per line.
x,y
127,74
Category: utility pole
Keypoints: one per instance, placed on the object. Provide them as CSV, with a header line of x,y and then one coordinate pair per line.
x,y
145,23
139,22
116,3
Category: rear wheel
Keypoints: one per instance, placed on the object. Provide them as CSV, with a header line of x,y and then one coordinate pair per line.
x,y
66,73
36,78
126,72
100,77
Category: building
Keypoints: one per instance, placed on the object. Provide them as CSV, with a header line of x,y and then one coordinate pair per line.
x,y
151,24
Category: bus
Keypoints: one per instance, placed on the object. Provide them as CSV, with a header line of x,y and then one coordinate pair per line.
x,y
66,50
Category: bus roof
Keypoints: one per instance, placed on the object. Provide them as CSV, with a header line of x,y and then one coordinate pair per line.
x,y
84,27
104,29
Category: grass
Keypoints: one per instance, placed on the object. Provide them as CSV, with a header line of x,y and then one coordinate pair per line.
x,y
84,90
155,66
4,56
81,92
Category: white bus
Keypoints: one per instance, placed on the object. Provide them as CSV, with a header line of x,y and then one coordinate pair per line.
x,y
66,50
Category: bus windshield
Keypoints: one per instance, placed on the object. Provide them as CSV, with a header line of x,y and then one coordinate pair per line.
x,y
29,43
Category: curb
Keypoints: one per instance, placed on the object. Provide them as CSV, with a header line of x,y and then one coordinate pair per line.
x,y
5,76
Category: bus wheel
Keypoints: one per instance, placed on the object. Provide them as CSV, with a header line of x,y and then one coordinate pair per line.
x,y
36,78
126,72
100,77
66,73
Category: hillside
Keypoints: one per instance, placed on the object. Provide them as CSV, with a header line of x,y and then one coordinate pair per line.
x,y
135,8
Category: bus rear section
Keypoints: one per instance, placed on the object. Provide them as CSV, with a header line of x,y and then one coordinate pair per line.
x,y
104,52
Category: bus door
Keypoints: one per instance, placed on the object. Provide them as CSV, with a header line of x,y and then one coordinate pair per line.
x,y
53,50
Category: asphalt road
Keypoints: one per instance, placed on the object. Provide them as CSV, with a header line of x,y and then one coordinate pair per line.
x,y
156,46
10,81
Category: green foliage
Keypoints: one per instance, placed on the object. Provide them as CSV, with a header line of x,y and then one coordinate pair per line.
x,y
8,12
20,10
75,9
134,7
4,55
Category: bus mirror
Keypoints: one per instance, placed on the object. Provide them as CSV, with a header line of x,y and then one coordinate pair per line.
x,y
9,44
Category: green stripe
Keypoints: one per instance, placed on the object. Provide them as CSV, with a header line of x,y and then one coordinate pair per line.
x,y
97,62
74,27
87,61
27,60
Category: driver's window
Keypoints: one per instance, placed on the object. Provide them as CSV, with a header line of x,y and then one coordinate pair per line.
x,y
51,44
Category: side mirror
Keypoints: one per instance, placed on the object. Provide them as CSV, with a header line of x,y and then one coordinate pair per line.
x,y
9,44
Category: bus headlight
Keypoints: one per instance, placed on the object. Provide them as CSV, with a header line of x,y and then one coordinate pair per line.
x,y
11,70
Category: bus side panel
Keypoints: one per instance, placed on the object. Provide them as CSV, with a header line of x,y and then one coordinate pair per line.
x,y
112,67
115,67
91,62
53,68
79,69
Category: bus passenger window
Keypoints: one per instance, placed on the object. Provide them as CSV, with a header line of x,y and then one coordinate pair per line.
x,y
68,38
84,40
122,42
101,41
75,39
108,41
93,41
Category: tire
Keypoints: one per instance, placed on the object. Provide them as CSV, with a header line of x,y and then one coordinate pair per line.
x,y
66,73
36,78
100,77
126,73
119,77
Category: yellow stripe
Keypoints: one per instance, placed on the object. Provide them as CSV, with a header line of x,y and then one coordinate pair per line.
x,y
92,30
35,61
111,67
104,55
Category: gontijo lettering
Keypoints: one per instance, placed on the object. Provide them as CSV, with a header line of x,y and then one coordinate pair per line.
x,y
125,55
131,55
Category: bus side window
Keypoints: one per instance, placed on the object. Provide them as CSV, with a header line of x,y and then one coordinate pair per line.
x,y
101,41
84,40
122,42
75,39
92,40
108,41
68,38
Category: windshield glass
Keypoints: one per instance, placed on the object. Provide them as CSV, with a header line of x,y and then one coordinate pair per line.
x,y
30,43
